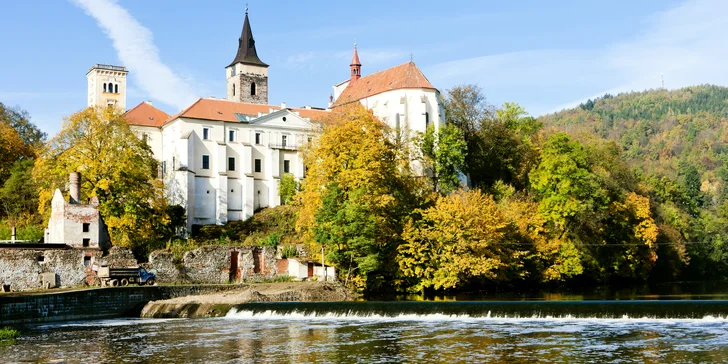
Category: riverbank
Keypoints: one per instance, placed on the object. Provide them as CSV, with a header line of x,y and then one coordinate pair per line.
x,y
218,304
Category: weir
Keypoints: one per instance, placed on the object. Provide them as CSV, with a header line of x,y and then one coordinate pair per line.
x,y
634,309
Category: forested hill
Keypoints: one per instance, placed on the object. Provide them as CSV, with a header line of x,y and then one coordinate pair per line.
x,y
672,133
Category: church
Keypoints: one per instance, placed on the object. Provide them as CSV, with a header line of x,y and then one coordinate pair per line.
x,y
222,159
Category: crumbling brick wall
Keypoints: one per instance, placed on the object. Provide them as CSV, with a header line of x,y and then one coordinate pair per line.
x,y
21,268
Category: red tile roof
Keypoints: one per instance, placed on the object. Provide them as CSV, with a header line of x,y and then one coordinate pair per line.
x,y
217,109
403,76
145,114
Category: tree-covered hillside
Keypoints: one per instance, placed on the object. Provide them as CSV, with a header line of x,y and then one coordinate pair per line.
x,y
677,142
660,131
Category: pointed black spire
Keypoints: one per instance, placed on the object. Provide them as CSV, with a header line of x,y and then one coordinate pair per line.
x,y
246,47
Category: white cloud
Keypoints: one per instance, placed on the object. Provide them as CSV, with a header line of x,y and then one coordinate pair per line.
x,y
135,48
688,44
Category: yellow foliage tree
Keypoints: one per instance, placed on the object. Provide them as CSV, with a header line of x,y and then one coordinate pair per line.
x,y
354,197
117,167
12,149
457,241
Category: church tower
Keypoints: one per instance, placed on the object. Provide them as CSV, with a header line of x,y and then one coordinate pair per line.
x,y
247,75
355,66
107,86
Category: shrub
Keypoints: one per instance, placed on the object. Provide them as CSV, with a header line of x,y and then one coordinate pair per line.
x,y
289,251
8,333
272,239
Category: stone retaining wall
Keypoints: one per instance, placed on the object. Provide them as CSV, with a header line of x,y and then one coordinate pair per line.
x,y
92,303
216,265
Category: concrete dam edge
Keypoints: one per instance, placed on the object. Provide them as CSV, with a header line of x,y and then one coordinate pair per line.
x,y
90,304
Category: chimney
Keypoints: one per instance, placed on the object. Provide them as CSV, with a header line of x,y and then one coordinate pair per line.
x,y
148,102
283,105
75,191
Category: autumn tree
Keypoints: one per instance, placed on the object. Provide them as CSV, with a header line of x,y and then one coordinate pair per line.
x,y
19,120
458,241
357,191
117,167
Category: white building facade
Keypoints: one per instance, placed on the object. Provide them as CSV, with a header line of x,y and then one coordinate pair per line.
x,y
222,159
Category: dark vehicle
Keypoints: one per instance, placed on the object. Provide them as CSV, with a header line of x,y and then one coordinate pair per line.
x,y
124,276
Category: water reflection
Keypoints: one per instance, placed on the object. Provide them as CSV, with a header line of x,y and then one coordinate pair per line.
x,y
325,339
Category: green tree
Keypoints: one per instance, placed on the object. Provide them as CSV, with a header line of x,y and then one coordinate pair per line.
x,y
564,183
355,197
444,155
19,193
287,188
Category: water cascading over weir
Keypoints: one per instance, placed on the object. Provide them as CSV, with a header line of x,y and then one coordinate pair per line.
x,y
632,309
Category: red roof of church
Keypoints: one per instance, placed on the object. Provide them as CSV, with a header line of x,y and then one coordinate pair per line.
x,y
216,109
145,114
406,75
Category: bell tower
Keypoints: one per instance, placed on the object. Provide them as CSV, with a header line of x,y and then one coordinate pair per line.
x,y
355,66
247,75
107,86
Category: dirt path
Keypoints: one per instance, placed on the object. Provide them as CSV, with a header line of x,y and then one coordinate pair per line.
x,y
269,292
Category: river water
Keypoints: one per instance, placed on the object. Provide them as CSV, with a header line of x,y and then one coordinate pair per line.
x,y
642,331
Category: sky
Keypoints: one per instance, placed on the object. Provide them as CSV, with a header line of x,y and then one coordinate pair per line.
x,y
545,55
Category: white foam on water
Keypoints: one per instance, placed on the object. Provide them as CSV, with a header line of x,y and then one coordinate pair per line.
x,y
108,323
296,315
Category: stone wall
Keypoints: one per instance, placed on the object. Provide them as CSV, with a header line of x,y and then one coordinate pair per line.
x,y
91,304
216,264
21,268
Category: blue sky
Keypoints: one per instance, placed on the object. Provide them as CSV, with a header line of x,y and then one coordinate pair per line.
x,y
546,55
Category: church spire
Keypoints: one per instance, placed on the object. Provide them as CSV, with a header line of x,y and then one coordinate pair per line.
x,y
355,66
246,46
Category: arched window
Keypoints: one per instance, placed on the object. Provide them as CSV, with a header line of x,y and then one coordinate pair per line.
x,y
116,88
233,89
252,89
104,86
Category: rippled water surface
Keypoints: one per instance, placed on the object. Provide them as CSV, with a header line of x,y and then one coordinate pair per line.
x,y
296,336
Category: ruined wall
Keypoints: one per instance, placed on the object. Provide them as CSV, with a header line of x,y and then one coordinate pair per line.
x,y
167,271
21,268
216,264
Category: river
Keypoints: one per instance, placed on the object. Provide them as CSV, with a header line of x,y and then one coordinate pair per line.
x,y
639,331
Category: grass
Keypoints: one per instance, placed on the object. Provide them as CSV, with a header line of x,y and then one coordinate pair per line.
x,y
8,333
278,279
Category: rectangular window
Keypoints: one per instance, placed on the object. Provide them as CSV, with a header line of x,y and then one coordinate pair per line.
x,y
231,135
86,227
145,138
206,133
258,165
231,163
286,166
86,261
285,140
205,162
86,242
257,138
164,167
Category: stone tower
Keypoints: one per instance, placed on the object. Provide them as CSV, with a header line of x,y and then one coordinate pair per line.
x,y
247,75
107,86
